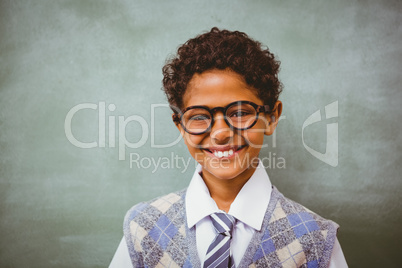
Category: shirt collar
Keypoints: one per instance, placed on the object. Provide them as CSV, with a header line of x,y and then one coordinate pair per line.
x,y
249,205
199,203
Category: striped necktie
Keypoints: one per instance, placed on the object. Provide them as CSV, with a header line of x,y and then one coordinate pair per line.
x,y
219,253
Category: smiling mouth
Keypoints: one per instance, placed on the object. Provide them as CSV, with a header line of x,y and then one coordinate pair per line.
x,y
224,152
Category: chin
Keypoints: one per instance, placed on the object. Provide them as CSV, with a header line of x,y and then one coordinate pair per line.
x,y
225,172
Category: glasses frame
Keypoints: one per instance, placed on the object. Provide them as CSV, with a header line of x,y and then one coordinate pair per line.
x,y
177,117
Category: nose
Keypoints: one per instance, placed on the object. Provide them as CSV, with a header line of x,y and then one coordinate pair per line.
x,y
221,132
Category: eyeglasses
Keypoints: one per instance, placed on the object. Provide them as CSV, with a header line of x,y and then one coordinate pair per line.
x,y
240,115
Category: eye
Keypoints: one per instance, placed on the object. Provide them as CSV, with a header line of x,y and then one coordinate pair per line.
x,y
199,117
240,113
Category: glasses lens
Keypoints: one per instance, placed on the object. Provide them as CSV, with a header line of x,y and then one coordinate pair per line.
x,y
196,120
241,116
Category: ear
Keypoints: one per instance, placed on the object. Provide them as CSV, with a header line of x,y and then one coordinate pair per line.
x,y
273,118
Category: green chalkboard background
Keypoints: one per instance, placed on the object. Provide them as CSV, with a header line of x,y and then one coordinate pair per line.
x,y
63,206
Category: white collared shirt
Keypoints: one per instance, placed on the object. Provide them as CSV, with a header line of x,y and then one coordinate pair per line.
x,y
255,194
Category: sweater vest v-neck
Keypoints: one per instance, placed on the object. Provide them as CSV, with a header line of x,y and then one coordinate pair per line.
x,y
291,235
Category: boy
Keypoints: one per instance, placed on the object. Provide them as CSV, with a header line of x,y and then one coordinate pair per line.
x,y
223,89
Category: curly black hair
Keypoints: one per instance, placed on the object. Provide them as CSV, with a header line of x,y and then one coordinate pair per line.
x,y
222,49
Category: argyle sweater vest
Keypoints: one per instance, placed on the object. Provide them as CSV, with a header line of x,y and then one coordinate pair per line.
x,y
291,235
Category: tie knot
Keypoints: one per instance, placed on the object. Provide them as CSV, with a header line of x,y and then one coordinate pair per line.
x,y
223,223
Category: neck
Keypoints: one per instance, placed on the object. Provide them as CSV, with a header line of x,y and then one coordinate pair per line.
x,y
224,191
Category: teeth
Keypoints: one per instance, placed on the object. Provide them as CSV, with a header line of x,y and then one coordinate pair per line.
x,y
221,154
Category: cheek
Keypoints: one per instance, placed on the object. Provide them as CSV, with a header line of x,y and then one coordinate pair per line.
x,y
255,140
255,136
193,141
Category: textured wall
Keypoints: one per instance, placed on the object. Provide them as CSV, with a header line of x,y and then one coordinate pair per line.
x,y
63,206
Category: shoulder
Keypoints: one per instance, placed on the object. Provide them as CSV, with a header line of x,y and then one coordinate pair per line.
x,y
298,215
292,233
150,227
148,212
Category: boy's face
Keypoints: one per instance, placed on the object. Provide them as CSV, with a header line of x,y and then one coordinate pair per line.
x,y
240,149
